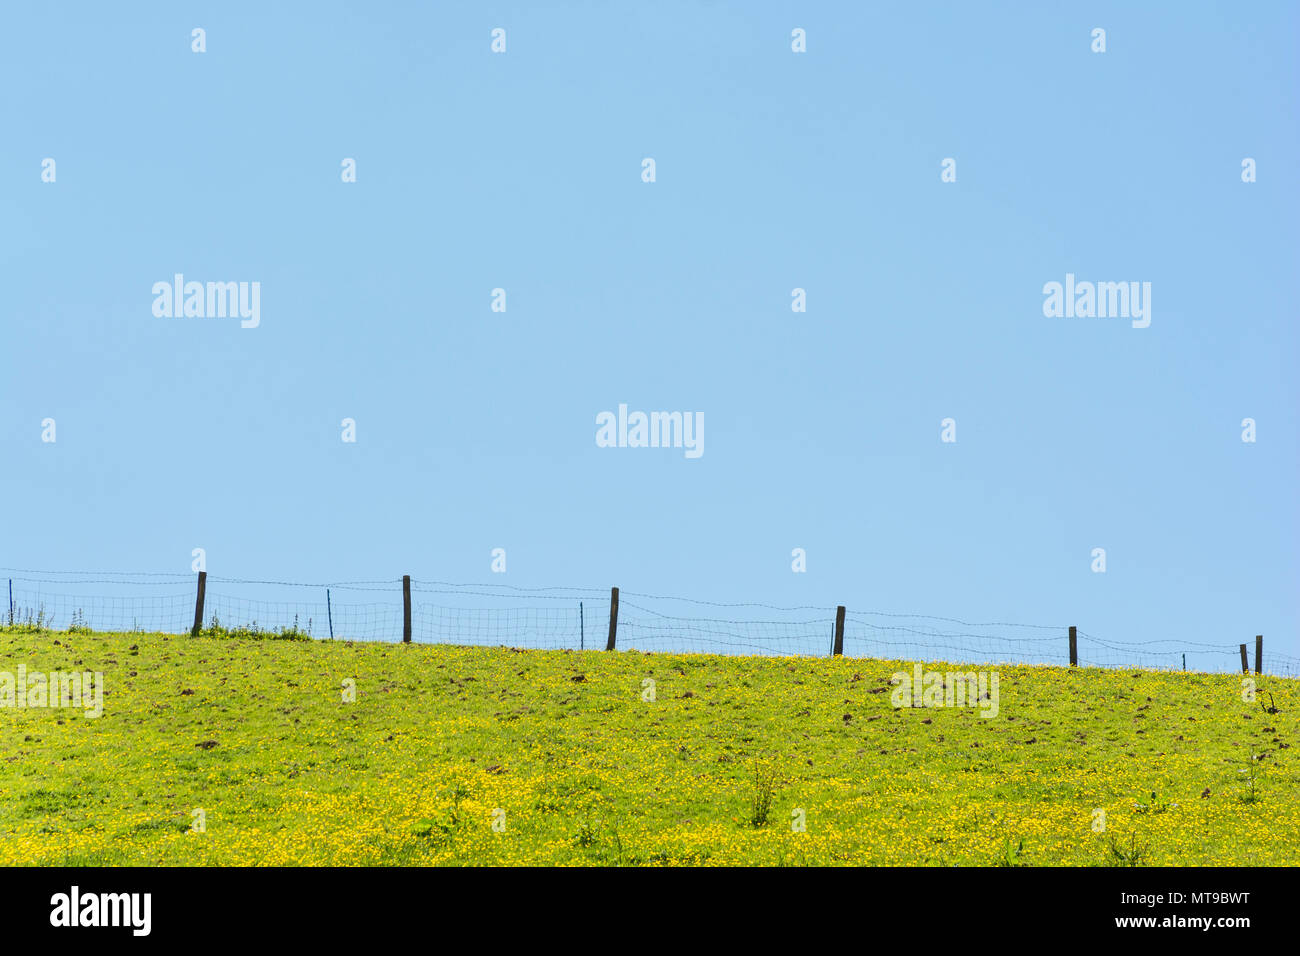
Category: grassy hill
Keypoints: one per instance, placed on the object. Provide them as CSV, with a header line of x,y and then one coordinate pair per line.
x,y
575,765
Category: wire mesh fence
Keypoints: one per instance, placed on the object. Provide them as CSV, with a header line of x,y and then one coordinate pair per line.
x,y
567,619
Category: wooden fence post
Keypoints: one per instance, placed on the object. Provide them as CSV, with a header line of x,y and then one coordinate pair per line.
x,y
1245,664
1074,646
613,618
839,632
1259,653
198,604
406,609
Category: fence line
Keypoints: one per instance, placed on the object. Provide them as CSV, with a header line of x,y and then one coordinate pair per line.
x,y
404,608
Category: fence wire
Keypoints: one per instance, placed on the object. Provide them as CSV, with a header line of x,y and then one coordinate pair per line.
x,y
562,618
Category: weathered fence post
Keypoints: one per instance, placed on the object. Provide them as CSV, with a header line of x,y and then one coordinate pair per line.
x,y
1259,653
1245,664
11,602
406,609
582,630
838,649
329,611
1074,646
198,604
613,618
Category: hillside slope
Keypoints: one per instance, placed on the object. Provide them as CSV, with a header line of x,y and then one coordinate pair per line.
x,y
568,757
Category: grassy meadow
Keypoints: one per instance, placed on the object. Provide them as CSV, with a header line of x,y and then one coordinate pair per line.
x,y
493,756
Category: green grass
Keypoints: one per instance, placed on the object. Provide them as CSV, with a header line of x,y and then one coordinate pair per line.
x,y
574,766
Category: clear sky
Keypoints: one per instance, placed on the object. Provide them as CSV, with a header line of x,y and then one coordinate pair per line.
x,y
774,170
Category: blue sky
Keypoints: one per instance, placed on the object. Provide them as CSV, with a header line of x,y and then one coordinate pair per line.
x,y
774,170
